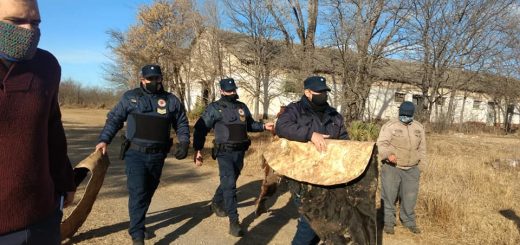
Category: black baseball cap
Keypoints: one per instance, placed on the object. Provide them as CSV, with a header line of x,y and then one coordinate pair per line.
x,y
151,71
316,84
228,84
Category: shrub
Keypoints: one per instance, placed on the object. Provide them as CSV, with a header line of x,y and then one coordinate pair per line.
x,y
197,110
363,131
72,94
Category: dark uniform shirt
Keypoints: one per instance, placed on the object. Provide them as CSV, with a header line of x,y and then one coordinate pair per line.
x,y
299,121
149,118
230,120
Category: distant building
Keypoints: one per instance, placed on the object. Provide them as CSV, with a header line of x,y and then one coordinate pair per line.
x,y
396,85
385,98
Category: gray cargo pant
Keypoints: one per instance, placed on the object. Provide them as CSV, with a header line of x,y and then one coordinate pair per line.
x,y
405,184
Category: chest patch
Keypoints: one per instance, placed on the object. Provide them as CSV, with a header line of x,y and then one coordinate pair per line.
x,y
161,108
242,114
161,103
161,111
397,132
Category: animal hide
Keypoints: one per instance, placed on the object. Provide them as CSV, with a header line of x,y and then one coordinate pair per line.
x,y
343,161
337,190
97,165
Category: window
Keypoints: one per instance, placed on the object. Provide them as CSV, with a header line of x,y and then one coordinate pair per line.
x,y
417,99
399,97
476,104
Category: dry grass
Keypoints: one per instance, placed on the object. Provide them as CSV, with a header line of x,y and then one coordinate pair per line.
x,y
466,195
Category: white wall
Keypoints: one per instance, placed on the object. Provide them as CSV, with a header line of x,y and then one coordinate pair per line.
x,y
382,104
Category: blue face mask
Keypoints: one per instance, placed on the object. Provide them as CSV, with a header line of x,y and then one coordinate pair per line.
x,y
405,119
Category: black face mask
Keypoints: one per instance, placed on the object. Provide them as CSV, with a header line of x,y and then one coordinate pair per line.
x,y
319,99
153,87
231,97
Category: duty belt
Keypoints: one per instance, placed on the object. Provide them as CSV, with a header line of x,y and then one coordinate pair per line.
x,y
149,150
233,147
390,163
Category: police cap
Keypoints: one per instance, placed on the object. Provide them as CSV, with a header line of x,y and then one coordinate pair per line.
x,y
316,84
151,71
228,84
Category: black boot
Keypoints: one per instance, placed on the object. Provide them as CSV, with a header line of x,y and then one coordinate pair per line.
x,y
148,235
138,241
235,229
218,210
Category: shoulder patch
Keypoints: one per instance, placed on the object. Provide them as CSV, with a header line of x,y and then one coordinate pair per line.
x,y
215,105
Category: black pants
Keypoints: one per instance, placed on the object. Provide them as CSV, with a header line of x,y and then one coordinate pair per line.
x,y
230,164
143,172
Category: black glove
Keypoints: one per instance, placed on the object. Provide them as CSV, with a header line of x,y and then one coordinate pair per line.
x,y
182,150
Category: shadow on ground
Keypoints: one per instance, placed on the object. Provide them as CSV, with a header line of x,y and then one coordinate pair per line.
x,y
82,141
265,231
194,213
511,215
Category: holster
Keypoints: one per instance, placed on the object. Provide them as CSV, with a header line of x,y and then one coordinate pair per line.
x,y
244,146
215,150
124,147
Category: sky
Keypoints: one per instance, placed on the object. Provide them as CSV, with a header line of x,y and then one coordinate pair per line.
x,y
75,31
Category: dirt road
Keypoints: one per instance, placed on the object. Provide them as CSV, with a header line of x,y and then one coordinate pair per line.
x,y
179,213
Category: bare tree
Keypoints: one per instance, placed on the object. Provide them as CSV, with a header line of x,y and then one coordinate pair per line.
x,y
206,61
290,18
123,72
364,33
448,35
163,35
258,54
505,66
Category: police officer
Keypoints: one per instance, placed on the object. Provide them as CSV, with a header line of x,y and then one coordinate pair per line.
x,y
231,121
310,119
149,111
402,147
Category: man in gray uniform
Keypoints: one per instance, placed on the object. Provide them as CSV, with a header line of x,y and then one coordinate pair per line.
x,y
402,147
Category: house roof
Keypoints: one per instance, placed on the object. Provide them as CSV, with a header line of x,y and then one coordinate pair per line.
x,y
327,61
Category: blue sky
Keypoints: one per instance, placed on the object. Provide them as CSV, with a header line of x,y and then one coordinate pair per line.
x,y
75,32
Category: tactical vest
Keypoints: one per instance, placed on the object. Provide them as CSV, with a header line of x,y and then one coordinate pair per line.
x,y
149,122
232,128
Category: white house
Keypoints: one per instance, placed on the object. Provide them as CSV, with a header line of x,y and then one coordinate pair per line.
x,y
384,97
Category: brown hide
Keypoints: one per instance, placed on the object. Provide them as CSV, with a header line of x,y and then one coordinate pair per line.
x,y
337,190
97,165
